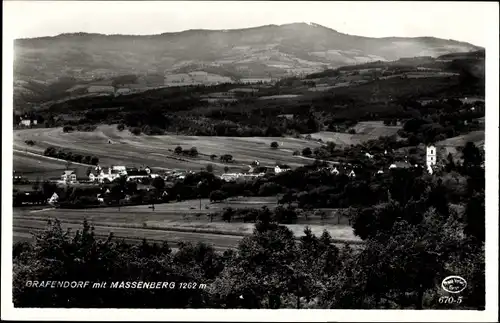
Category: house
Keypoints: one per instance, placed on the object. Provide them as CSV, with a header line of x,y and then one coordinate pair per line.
x,y
113,173
95,174
369,155
400,165
281,168
53,199
334,171
351,174
135,174
69,176
28,122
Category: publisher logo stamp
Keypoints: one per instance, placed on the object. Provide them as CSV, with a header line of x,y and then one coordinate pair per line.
x,y
454,284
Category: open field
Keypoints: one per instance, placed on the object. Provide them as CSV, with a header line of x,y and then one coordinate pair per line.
x,y
173,222
33,166
477,137
154,151
450,145
365,131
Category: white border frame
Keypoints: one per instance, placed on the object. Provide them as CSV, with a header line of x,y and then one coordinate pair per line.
x,y
490,314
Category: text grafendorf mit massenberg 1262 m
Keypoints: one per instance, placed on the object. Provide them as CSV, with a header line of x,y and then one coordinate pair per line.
x,y
121,284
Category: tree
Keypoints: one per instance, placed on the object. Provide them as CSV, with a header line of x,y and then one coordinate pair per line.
x,y
475,217
120,127
274,145
178,150
210,168
217,196
306,152
227,214
213,156
472,155
226,169
36,184
68,129
158,183
226,158
136,131
193,152
94,160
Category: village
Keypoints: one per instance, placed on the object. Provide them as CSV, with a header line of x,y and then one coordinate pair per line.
x,y
158,182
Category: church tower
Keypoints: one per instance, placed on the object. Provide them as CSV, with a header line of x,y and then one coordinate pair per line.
x,y
431,158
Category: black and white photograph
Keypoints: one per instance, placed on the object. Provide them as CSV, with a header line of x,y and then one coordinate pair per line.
x,y
250,155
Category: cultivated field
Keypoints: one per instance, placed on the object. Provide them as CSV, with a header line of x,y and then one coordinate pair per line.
x,y
154,151
364,131
173,222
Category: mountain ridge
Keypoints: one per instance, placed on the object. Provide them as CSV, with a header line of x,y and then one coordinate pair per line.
x,y
238,30
254,54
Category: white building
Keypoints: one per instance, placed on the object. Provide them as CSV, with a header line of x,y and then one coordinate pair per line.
x,y
69,176
28,122
281,168
53,199
431,158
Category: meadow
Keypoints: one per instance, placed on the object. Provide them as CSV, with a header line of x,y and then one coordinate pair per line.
x,y
114,147
365,131
178,221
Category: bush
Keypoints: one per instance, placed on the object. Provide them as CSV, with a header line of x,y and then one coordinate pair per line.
x,y
136,131
217,196
29,142
68,129
193,152
352,131
120,127
94,160
226,158
210,168
306,152
274,145
178,150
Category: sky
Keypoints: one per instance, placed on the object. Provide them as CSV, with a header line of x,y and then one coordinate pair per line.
x,y
463,21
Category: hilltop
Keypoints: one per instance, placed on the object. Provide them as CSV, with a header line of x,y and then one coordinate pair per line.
x,y
53,67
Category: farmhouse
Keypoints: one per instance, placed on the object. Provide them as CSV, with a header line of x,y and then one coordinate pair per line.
x,y
281,168
69,176
399,165
53,199
135,174
28,122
